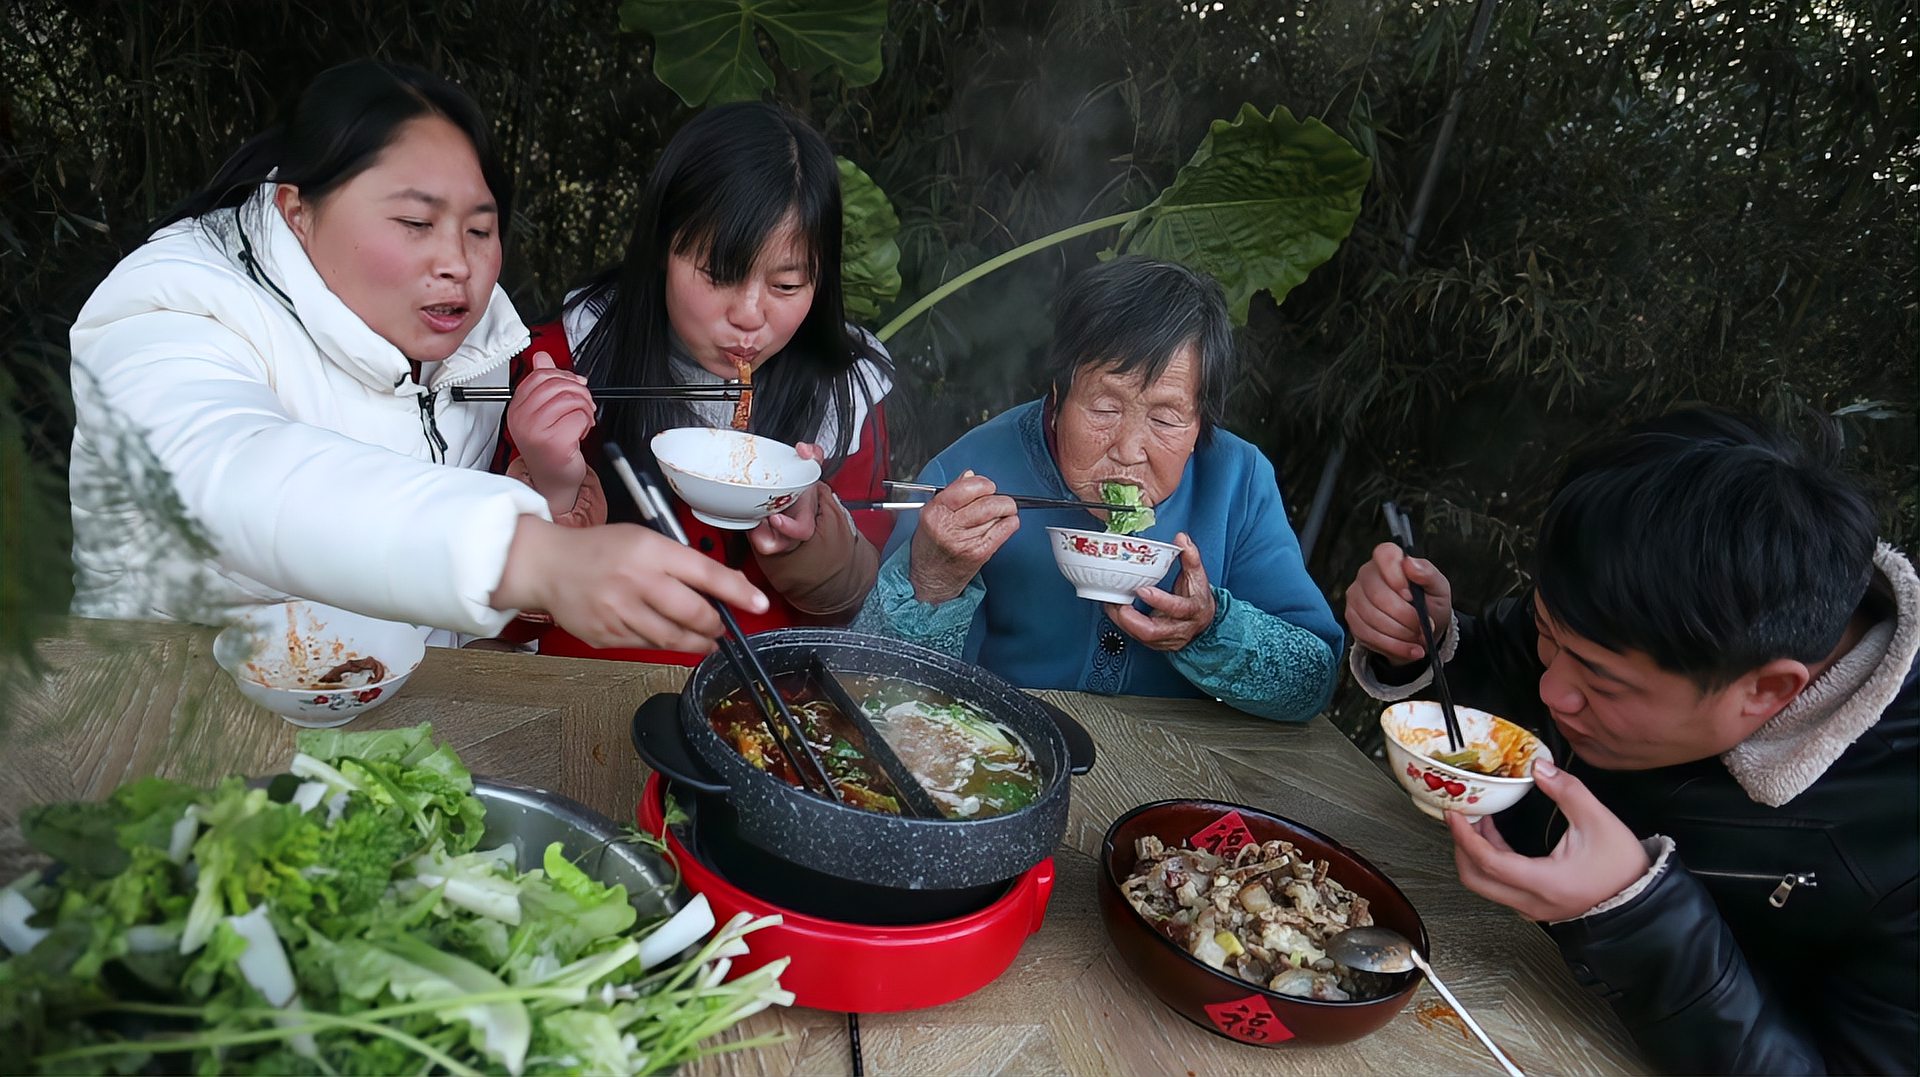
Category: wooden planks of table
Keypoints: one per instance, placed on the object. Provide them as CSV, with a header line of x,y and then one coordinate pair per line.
x,y
122,700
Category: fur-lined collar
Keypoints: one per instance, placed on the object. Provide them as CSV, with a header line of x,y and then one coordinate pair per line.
x,y
1789,753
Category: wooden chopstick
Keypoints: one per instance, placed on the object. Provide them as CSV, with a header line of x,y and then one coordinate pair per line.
x,y
754,678
485,394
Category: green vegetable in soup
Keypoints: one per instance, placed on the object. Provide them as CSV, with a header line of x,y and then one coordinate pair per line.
x,y
1131,514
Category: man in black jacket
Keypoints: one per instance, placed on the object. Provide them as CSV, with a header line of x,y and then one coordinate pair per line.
x,y
1721,656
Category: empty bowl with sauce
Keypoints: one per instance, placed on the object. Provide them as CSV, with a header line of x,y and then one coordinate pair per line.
x,y
318,666
730,478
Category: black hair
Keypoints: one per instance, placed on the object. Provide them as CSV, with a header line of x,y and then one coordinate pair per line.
x,y
1134,314
1710,542
339,125
722,187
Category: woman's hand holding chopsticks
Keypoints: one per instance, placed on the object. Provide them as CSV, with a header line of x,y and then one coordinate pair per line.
x,y
961,527
784,531
621,585
551,412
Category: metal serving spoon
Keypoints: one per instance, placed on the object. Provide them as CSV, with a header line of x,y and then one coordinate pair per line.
x,y
1379,949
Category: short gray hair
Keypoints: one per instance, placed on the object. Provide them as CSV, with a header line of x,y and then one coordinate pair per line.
x,y
1134,314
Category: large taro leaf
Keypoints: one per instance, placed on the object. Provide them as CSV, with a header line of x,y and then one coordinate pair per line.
x,y
869,257
706,50
1264,200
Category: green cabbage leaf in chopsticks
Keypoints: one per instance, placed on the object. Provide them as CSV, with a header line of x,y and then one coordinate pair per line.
x,y
1130,514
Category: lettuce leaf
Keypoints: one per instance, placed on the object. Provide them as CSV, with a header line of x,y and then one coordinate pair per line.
x,y
1131,514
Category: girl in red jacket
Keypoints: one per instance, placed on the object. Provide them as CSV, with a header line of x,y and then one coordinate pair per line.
x,y
733,267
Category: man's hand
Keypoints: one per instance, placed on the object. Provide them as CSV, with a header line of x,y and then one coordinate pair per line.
x,y
1178,615
1596,859
960,529
550,414
784,531
1380,611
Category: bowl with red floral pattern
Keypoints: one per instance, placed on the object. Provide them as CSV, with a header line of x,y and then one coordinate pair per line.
x,y
1106,567
1489,774
318,666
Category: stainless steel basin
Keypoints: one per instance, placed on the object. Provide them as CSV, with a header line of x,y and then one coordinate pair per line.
x,y
531,819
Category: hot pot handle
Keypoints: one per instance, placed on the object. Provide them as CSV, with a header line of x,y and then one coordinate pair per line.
x,y
1079,741
663,747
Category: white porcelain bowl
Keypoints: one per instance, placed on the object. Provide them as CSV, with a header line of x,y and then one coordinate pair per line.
x,y
1106,567
730,478
279,654
1415,732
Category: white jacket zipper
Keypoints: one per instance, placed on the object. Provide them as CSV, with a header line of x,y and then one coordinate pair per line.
x,y
436,441
1781,893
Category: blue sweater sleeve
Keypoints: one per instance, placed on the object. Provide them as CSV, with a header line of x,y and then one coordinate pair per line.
x,y
1259,663
892,609
1274,646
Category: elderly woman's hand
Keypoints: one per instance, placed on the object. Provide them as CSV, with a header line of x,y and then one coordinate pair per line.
x,y
960,529
1178,615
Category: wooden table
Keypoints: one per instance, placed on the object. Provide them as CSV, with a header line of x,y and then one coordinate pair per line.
x,y
125,700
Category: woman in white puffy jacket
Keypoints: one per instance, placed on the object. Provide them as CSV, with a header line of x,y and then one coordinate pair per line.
x,y
264,398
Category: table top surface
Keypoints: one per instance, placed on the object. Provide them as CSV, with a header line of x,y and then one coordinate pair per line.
x,y
122,700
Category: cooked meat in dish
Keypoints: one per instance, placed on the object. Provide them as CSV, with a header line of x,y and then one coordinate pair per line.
x,y
743,411
354,673
1262,915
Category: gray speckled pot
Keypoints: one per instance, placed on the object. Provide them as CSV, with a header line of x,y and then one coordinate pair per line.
x,y
864,846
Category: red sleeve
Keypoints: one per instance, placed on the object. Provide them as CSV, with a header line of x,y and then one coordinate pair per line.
x,y
552,339
862,475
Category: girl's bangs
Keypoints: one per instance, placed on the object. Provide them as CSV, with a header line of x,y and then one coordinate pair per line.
x,y
727,241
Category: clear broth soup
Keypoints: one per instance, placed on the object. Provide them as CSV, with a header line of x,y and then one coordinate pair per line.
x,y
972,766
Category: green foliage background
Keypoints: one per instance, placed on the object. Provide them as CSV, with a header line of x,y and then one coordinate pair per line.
x,y
1646,202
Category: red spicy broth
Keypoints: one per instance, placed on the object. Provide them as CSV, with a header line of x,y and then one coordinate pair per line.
x,y
738,722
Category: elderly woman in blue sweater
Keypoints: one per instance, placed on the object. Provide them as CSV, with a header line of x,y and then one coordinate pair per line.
x,y
1142,363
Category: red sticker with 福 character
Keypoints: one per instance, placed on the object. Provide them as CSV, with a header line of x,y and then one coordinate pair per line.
x,y
1226,836
1249,1020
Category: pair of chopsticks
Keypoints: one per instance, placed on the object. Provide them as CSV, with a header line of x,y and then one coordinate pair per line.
x,y
1024,501
1401,528
754,678
495,394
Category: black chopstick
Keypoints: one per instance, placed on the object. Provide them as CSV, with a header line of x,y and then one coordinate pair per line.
x,y
754,678
1402,530
1025,501
494,394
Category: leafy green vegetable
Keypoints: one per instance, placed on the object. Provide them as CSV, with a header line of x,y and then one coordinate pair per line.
x,y
1132,514
341,922
1010,795
85,837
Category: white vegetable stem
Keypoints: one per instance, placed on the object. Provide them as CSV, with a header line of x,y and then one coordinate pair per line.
x,y
180,840
264,962
309,795
688,926
306,766
15,933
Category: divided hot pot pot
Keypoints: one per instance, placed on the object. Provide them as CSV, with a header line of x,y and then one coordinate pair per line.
x,y
819,856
